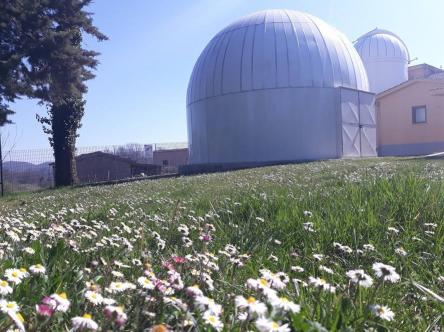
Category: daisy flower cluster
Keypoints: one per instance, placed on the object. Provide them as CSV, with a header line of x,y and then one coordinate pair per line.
x,y
311,247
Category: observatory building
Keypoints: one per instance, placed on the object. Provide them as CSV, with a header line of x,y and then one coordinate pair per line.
x,y
385,57
277,86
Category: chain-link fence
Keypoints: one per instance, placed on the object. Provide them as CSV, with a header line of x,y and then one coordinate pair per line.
x,y
29,170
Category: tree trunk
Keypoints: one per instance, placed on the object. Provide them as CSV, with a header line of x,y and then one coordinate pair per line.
x,y
63,141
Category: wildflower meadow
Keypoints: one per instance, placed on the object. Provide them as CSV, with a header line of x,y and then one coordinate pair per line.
x,y
325,246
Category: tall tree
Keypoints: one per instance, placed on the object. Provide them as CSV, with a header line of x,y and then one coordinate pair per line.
x,y
54,67
59,68
13,72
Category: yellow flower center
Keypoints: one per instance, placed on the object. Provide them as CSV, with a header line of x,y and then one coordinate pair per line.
x,y
63,296
15,274
10,305
275,325
212,319
251,300
284,299
87,316
23,270
4,283
263,282
39,266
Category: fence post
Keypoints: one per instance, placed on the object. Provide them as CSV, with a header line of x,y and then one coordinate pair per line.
x,y
1,167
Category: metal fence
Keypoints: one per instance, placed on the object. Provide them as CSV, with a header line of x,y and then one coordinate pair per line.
x,y
30,170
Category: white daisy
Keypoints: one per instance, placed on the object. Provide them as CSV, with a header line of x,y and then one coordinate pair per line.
x,y
284,304
382,312
118,286
213,320
14,275
297,269
267,325
146,283
326,269
61,301
194,291
386,272
94,297
29,251
37,269
251,304
83,323
321,283
9,306
369,247
360,277
206,303
5,289
401,252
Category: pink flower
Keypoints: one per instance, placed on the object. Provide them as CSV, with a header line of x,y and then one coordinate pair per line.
x,y
116,313
44,310
169,266
207,238
179,259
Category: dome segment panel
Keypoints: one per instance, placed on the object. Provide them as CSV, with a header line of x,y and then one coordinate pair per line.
x,y
275,49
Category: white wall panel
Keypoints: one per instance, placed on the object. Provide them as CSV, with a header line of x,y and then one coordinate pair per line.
x,y
267,125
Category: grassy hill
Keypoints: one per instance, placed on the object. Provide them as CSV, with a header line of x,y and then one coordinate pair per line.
x,y
270,249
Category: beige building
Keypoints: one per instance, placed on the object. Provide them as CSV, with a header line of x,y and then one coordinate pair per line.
x,y
99,166
171,158
410,116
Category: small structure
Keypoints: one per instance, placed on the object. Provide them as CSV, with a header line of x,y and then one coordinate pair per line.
x,y
170,159
100,166
385,57
410,117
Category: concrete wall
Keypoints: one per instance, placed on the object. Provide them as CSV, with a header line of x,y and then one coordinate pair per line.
x,y
175,157
97,168
397,134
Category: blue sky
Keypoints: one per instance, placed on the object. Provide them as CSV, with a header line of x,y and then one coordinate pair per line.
x,y
139,92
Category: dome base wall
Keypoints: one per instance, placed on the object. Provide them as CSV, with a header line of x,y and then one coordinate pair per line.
x,y
267,126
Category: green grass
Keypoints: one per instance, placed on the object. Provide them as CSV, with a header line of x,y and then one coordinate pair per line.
x,y
388,203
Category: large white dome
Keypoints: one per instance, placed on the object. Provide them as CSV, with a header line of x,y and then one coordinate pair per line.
x,y
275,86
276,49
385,57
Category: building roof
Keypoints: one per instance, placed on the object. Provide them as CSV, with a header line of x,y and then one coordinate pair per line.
x,y
101,154
437,76
405,85
170,150
427,66
276,49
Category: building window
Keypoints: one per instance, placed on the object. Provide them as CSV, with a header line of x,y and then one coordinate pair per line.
x,y
165,162
419,114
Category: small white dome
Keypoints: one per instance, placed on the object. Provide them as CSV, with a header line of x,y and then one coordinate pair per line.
x,y
276,49
385,57
381,44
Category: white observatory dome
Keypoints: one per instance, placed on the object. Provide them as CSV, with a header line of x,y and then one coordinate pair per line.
x,y
276,48
266,88
385,57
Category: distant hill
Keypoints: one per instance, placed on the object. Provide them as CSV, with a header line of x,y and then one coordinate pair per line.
x,y
23,166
